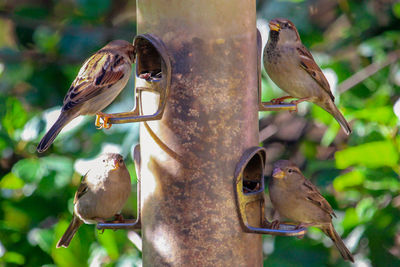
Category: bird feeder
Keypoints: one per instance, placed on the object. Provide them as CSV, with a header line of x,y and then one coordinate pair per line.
x,y
201,187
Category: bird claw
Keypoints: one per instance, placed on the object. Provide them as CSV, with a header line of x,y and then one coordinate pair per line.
x,y
275,224
118,218
298,101
102,121
280,100
294,103
150,77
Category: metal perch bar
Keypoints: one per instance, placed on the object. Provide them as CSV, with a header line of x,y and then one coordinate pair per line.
x,y
150,53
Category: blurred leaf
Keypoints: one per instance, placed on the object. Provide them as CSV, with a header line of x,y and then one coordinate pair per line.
x,y
46,39
309,149
15,115
29,170
12,257
366,208
373,155
396,10
321,115
330,134
63,168
383,115
350,179
77,252
44,238
31,11
14,72
14,217
10,181
351,219
94,8
302,253
109,242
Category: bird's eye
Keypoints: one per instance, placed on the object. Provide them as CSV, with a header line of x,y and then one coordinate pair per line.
x,y
104,160
121,161
290,170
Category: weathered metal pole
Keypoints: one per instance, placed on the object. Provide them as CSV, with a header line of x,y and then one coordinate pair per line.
x,y
189,214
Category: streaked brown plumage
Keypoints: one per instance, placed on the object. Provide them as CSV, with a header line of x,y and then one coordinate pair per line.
x,y
100,80
297,199
292,67
102,194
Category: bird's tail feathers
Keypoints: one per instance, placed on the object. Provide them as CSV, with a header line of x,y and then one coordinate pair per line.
x,y
344,251
70,232
49,137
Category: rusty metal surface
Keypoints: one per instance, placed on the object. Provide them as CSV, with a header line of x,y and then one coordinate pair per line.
x,y
189,215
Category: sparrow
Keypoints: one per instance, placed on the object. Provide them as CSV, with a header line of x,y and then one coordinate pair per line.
x,y
100,80
297,199
102,194
292,68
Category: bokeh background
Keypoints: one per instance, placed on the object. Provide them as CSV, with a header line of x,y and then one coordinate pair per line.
x,y
356,43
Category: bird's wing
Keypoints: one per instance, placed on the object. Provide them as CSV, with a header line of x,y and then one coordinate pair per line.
x,y
82,189
100,71
307,62
314,196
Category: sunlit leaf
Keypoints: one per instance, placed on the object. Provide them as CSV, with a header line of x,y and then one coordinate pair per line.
x,y
396,10
383,183
373,155
350,179
351,219
10,181
12,257
383,115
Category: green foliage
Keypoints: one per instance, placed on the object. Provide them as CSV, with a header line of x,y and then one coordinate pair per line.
x,y
358,175
42,46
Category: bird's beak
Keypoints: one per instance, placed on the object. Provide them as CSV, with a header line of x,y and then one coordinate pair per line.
x,y
116,165
274,26
278,173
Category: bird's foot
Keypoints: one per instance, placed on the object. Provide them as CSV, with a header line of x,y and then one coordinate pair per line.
x,y
99,220
298,101
293,111
302,225
118,218
275,224
102,120
150,77
280,100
